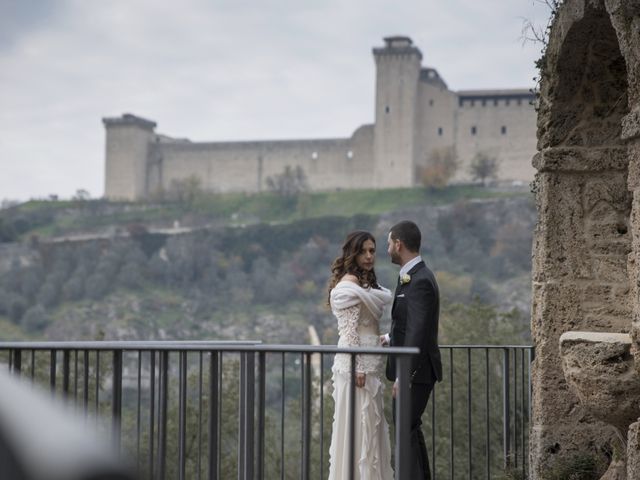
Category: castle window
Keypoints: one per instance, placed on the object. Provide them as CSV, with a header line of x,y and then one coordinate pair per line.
x,y
386,109
519,101
350,154
503,130
507,102
473,102
495,102
431,103
440,131
474,130
484,103
314,155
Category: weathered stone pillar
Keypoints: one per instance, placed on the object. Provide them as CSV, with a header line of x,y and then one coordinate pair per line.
x,y
625,17
582,240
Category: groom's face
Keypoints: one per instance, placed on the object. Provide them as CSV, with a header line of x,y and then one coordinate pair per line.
x,y
393,250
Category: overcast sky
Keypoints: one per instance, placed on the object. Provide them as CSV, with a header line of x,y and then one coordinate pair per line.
x,y
222,70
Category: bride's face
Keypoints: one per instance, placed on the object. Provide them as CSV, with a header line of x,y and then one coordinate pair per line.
x,y
367,256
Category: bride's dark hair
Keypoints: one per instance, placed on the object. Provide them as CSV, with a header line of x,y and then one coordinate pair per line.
x,y
346,263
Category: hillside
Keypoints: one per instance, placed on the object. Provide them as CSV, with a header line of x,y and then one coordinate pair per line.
x,y
224,267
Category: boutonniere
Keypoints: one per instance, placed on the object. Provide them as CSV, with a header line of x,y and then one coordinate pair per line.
x,y
405,278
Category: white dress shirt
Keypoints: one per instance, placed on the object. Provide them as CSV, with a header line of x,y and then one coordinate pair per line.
x,y
409,265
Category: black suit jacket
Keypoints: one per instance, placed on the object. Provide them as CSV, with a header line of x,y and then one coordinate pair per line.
x,y
414,323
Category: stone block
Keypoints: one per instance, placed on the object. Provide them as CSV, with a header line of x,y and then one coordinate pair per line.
x,y
579,159
631,125
561,251
633,153
551,445
633,451
611,268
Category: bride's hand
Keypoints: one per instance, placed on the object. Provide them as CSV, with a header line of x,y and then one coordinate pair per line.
x,y
360,379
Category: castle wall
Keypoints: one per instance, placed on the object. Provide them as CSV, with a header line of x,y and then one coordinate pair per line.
x,y
246,166
504,129
435,121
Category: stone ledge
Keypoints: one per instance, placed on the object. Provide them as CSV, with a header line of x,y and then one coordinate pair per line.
x,y
580,159
595,337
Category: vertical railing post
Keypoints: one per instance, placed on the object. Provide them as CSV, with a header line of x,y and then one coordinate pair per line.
x,y
487,414
306,416
52,371
138,410
85,382
247,416
469,423
213,415
163,401
262,383
451,431
152,409
17,360
116,406
506,403
403,419
282,412
250,415
66,369
182,415
242,417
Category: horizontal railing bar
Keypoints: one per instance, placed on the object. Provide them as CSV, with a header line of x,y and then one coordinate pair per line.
x,y
213,346
119,345
496,347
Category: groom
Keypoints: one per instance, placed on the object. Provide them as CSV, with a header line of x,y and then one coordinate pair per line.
x,y
414,323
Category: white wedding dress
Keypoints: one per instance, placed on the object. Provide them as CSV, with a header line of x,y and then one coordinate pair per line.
x,y
358,311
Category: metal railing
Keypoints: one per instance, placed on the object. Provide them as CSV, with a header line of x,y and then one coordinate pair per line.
x,y
246,410
477,423
180,418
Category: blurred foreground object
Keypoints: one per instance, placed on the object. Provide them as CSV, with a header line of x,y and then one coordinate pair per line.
x,y
41,439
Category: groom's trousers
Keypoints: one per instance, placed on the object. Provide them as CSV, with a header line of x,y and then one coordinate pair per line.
x,y
420,393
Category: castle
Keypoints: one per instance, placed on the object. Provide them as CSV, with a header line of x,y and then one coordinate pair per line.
x,y
417,118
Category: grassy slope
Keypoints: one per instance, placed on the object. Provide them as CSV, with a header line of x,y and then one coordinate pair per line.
x,y
238,208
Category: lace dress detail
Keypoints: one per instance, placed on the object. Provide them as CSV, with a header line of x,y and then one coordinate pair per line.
x,y
357,327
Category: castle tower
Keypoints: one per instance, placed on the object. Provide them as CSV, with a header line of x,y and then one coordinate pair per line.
x,y
397,75
128,139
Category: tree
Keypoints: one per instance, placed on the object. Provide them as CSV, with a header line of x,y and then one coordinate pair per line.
x,y
441,166
35,318
81,195
185,190
483,167
289,183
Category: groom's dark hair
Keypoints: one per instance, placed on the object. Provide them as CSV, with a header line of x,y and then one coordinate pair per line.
x,y
408,233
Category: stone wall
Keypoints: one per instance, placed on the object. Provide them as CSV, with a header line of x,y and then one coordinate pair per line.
x,y
585,244
230,167
499,127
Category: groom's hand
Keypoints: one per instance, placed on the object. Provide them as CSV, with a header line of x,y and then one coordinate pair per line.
x,y
394,389
384,340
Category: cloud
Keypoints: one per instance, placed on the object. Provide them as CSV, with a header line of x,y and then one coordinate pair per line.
x,y
220,70
19,17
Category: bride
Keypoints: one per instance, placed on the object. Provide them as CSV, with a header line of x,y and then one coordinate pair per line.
x,y
357,302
